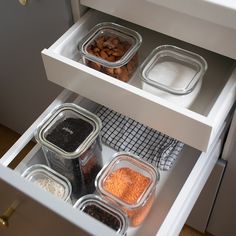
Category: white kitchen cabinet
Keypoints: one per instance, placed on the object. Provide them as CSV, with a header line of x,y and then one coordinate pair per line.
x,y
222,221
201,212
202,127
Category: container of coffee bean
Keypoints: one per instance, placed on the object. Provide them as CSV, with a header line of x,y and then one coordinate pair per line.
x,y
49,180
112,49
71,143
103,211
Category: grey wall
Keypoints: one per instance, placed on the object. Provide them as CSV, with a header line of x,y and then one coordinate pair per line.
x,y
24,32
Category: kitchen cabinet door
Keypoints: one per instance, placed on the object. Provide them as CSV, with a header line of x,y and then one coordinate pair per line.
x,y
30,217
25,31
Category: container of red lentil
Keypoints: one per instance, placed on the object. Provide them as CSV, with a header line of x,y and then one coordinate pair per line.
x,y
130,183
112,49
103,211
70,139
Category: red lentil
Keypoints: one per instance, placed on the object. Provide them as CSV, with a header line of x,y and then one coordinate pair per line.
x,y
126,184
129,185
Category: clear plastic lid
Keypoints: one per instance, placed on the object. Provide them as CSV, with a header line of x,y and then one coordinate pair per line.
x,y
49,180
103,211
129,39
173,69
69,130
127,180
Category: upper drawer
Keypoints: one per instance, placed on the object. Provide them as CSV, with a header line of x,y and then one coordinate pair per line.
x,y
196,126
208,24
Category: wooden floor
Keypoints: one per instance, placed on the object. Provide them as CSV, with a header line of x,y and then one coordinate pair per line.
x,y
9,137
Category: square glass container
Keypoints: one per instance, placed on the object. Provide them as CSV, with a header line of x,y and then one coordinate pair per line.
x,y
103,211
131,183
112,49
70,138
49,180
173,73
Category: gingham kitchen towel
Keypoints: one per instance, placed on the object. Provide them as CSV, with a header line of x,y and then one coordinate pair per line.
x,y
125,134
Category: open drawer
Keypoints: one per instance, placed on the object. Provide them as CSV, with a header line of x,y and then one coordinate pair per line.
x,y
63,66
178,188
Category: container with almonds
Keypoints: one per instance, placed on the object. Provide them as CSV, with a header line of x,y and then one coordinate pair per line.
x,y
112,49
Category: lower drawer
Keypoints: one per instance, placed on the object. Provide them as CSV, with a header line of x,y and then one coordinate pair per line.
x,y
178,188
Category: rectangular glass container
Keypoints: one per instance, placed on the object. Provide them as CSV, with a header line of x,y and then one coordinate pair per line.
x,y
112,49
49,180
130,183
103,211
173,73
70,138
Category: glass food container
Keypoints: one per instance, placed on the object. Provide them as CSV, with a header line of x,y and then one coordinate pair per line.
x,y
71,143
130,183
112,49
103,211
173,74
49,180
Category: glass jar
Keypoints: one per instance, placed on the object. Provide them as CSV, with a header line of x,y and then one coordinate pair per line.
x,y
174,74
112,49
70,138
130,183
49,180
103,211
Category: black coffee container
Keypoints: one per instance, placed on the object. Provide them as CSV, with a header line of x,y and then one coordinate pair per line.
x,y
71,143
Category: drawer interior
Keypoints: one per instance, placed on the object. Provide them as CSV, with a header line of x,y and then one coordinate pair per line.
x,y
168,188
218,72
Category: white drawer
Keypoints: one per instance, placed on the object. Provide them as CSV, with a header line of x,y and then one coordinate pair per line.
x,y
178,188
196,126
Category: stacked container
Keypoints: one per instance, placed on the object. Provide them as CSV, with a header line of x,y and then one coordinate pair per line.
x,y
71,142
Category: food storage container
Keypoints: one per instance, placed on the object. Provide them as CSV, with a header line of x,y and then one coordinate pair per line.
x,y
71,142
111,49
49,180
174,74
103,211
129,182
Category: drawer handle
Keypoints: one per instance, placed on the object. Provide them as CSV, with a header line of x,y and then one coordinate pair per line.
x,y
4,218
23,2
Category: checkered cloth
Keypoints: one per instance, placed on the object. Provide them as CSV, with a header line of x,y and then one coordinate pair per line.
x,y
125,134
